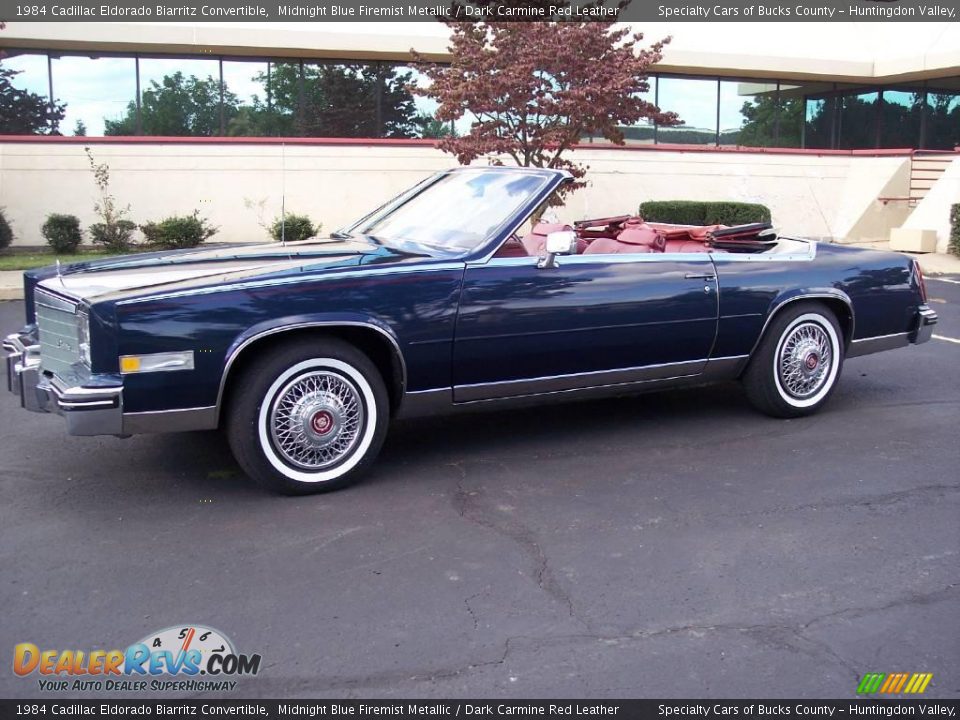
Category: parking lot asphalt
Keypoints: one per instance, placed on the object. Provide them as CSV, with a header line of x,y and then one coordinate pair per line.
x,y
667,545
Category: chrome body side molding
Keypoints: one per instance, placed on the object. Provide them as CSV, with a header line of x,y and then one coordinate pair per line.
x,y
564,388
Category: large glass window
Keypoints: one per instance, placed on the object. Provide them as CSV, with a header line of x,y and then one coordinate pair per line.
x,y
419,120
748,113
263,97
643,132
943,114
25,107
340,100
246,80
857,120
179,97
695,101
95,91
901,116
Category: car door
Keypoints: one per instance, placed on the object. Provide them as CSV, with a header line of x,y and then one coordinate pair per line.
x,y
592,320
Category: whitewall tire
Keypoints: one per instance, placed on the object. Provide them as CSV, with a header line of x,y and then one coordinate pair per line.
x,y
797,363
307,417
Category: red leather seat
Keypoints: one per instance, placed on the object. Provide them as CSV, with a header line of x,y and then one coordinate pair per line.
x,y
685,246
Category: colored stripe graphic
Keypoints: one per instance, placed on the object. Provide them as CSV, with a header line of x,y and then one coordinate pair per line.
x,y
894,683
870,683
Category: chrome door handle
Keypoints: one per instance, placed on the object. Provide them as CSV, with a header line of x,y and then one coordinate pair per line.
x,y
700,276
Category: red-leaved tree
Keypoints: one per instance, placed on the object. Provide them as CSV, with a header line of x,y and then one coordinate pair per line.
x,y
537,89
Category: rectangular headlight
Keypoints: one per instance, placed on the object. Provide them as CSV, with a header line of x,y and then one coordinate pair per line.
x,y
156,362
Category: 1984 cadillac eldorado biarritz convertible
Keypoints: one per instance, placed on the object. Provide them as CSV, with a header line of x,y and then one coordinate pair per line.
x,y
444,299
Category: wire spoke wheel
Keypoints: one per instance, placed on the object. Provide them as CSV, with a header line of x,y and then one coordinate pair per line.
x,y
805,360
316,420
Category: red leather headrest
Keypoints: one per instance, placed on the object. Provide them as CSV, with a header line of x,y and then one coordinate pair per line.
x,y
641,235
545,229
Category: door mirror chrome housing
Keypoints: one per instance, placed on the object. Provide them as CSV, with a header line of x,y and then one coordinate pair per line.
x,y
561,242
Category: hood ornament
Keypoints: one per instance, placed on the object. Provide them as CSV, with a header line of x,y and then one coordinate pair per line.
x,y
60,274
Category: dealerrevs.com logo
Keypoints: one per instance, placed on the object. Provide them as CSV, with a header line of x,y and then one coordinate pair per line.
x,y
183,658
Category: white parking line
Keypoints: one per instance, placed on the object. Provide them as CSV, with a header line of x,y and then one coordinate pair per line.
x,y
943,337
946,280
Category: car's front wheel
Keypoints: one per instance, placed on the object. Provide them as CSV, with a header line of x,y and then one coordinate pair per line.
x,y
307,417
797,363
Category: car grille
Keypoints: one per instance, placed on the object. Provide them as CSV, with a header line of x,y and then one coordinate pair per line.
x,y
59,332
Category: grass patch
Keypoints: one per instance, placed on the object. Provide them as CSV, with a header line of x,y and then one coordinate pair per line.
x,y
28,261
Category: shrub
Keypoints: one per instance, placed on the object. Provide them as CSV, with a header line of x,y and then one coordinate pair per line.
x,y
116,236
696,212
115,232
297,227
62,232
6,232
954,245
178,232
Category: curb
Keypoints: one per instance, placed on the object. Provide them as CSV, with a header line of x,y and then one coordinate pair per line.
x,y
11,293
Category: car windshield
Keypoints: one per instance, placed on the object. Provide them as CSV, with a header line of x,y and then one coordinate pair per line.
x,y
453,212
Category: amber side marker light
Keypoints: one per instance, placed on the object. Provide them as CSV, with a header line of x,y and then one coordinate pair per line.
x,y
156,362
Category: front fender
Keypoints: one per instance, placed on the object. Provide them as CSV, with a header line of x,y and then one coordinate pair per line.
x,y
304,321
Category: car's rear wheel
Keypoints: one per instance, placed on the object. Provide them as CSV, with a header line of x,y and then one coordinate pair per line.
x,y
797,363
309,416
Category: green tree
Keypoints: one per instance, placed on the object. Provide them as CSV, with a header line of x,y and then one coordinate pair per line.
x,y
80,129
431,127
760,122
25,113
943,120
333,100
178,105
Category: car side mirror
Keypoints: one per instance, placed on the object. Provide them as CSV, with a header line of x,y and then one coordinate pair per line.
x,y
561,242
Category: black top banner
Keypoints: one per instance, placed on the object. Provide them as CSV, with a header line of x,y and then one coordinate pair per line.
x,y
473,709
477,10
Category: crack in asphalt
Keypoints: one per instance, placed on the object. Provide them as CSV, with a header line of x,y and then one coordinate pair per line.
x,y
786,636
473,614
524,537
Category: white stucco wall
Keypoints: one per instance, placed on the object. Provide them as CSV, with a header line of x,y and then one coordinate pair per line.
x,y
823,196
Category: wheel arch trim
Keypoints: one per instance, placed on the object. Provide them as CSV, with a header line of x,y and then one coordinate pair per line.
x,y
253,335
785,299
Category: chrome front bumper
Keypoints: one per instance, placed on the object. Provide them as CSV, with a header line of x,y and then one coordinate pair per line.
x,y
87,410
926,319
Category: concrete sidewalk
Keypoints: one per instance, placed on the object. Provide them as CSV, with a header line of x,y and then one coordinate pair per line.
x,y
11,285
11,281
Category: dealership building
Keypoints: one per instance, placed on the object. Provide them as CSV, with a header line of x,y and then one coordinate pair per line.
x,y
847,131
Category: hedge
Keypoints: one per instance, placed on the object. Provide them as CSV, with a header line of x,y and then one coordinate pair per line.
x,y
954,245
696,212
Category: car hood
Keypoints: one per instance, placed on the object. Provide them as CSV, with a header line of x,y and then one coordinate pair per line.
x,y
181,269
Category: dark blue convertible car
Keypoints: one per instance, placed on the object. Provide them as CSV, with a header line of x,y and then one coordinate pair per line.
x,y
445,298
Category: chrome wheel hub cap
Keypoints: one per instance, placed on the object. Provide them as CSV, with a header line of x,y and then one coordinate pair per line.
x,y
805,360
316,420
